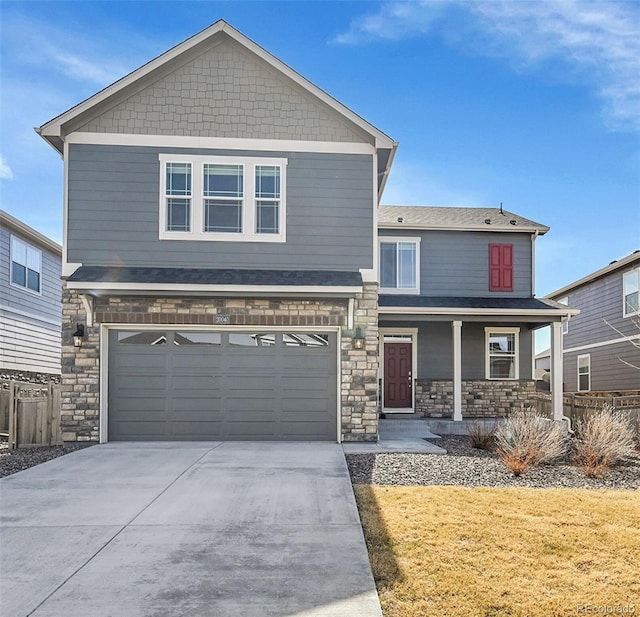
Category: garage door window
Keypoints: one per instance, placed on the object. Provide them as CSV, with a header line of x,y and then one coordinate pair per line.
x,y
300,339
142,338
197,338
241,339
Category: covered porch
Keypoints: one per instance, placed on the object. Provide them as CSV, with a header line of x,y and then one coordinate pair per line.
x,y
458,359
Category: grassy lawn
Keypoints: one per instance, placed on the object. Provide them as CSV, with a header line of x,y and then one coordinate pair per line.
x,y
498,552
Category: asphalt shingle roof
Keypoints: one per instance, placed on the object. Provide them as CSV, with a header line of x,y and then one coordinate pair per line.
x,y
439,217
208,276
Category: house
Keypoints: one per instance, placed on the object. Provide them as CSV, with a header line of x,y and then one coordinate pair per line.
x,y
30,302
223,244
601,348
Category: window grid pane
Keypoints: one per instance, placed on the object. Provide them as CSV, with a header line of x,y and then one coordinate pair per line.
x,y
223,181
223,216
18,274
178,214
406,265
267,217
33,280
388,265
267,182
178,179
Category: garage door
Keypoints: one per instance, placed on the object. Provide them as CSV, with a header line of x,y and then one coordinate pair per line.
x,y
182,385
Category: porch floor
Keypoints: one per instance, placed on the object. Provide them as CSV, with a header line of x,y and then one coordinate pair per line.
x,y
427,428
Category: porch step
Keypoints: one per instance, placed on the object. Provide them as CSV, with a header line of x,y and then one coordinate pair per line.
x,y
405,429
451,427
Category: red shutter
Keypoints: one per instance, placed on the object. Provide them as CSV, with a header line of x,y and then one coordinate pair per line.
x,y
501,267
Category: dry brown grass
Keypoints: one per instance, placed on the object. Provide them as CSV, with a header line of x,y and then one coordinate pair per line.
x,y
489,552
481,436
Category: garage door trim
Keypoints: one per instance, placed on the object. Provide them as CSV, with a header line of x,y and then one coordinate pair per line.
x,y
104,357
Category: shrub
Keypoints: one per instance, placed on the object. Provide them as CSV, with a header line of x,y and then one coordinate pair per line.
x,y
526,438
602,439
481,435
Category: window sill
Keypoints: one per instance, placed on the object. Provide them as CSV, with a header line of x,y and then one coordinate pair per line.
x,y
218,237
396,291
27,289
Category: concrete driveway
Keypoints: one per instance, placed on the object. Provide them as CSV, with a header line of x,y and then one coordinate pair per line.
x,y
184,530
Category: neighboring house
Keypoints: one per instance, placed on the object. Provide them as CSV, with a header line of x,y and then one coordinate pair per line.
x,y
599,342
542,363
221,256
30,302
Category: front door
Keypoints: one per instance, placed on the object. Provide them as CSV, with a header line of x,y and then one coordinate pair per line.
x,y
398,392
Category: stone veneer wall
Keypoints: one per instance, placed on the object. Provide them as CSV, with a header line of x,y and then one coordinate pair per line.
x,y
80,398
480,398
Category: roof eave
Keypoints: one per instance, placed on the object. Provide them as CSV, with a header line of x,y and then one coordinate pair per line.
x,y
31,234
413,227
454,310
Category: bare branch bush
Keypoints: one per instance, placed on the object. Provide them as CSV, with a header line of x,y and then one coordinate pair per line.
x,y
603,438
526,439
481,435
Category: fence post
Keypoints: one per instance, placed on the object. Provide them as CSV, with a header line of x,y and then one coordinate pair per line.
x,y
12,416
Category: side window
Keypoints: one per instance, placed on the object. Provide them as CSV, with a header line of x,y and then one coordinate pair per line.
x,y
399,265
26,265
501,267
584,373
631,293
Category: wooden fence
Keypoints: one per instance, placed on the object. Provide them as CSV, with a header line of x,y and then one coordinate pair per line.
x,y
30,414
578,405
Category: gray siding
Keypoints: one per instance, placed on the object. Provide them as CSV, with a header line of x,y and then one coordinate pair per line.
x,y
114,213
456,263
608,372
224,92
29,321
597,301
435,348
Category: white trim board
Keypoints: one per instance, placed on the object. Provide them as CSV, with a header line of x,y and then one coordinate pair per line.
x,y
623,339
219,143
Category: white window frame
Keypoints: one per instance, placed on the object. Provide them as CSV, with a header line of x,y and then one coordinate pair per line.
x,y
588,373
635,272
565,320
394,240
249,206
28,247
488,331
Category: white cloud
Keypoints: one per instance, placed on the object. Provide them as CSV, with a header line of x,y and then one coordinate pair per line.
x,y
5,170
598,40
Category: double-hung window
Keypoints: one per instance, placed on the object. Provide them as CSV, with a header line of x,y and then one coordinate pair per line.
x,y
584,373
502,353
400,265
26,265
631,293
222,198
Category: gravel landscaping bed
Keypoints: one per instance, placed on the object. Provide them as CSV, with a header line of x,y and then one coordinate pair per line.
x,y
13,461
464,465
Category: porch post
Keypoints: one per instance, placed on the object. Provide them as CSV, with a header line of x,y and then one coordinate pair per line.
x,y
457,370
556,371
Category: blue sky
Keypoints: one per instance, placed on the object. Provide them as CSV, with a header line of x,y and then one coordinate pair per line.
x,y
532,104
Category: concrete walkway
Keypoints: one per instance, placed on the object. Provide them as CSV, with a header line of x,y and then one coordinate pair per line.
x,y
397,445
185,530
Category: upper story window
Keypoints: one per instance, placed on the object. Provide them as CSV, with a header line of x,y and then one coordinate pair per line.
x,y
222,198
26,265
501,267
631,293
400,265
584,373
502,353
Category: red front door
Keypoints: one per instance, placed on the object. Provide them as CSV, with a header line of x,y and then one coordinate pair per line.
x,y
397,376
